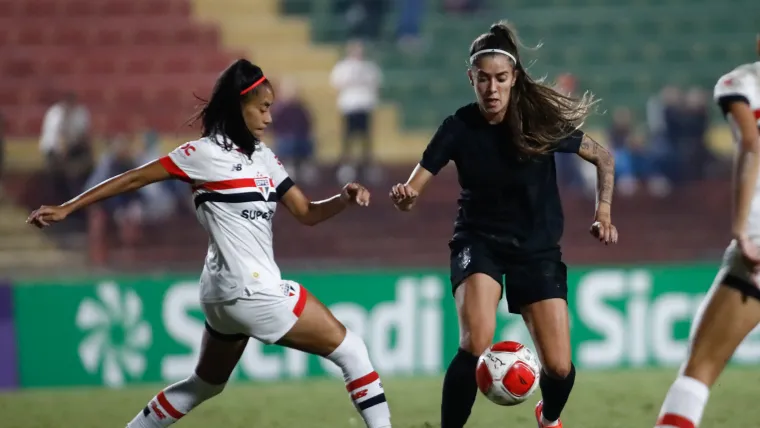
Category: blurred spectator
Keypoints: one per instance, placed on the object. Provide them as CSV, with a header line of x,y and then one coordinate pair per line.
x,y
462,6
693,154
364,19
65,144
292,131
357,81
131,212
124,210
663,111
158,201
679,123
410,20
634,163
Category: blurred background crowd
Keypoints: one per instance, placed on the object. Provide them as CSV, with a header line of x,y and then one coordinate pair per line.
x,y
92,88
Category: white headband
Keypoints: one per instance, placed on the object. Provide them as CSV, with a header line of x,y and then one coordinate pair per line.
x,y
492,51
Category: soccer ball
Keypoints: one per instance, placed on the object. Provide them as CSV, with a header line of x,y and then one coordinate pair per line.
x,y
508,373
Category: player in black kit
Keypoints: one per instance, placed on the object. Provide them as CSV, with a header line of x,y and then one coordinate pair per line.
x,y
510,217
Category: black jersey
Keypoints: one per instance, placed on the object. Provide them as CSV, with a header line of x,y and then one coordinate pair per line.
x,y
509,200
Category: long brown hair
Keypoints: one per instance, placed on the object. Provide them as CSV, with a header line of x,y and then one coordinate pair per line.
x,y
538,116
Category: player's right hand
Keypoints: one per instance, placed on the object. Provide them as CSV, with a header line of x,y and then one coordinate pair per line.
x,y
750,254
403,196
45,215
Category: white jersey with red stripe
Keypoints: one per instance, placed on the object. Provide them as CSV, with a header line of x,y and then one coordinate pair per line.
x,y
235,201
740,84
743,84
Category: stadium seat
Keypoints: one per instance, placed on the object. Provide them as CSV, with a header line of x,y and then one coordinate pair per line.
x,y
128,59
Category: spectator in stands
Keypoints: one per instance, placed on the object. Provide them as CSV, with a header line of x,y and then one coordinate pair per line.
x,y
634,162
292,131
65,144
357,81
364,19
664,125
123,211
410,16
159,201
693,154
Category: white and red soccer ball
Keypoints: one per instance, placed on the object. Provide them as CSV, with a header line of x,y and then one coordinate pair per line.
x,y
508,373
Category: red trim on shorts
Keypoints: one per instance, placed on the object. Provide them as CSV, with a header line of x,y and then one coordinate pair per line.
x,y
173,169
362,381
678,421
176,414
236,183
301,303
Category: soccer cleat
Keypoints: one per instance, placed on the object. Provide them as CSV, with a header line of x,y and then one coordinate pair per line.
x,y
539,408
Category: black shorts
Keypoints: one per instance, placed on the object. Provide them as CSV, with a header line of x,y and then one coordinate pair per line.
x,y
525,280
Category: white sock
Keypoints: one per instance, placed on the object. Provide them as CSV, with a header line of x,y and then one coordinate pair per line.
x,y
174,402
684,404
362,382
547,423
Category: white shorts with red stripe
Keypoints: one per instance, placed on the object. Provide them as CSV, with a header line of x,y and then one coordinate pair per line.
x,y
266,314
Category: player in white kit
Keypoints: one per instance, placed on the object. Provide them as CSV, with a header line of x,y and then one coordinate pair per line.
x,y
731,309
237,182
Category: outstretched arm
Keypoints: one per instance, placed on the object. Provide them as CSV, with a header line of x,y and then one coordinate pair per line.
x,y
311,213
126,182
404,196
595,153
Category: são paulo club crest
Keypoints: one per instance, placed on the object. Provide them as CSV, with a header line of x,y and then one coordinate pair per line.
x,y
264,184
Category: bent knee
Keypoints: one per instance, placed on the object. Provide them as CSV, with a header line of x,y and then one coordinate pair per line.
x,y
558,369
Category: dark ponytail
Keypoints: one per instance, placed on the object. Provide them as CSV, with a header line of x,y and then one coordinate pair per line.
x,y
538,116
221,116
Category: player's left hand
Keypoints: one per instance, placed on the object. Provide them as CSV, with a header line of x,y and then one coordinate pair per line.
x,y
603,230
44,216
355,193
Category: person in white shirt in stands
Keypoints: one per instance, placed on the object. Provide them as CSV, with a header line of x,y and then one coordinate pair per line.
x,y
357,81
237,182
65,145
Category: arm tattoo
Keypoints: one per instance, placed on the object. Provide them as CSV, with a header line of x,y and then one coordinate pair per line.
x,y
596,154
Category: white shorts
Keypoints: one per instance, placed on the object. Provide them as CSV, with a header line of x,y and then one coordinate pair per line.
x,y
735,274
266,315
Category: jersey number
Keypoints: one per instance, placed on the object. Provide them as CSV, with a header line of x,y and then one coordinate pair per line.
x,y
187,148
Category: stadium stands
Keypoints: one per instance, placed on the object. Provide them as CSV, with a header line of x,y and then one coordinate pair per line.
x,y
651,230
141,61
624,50
129,61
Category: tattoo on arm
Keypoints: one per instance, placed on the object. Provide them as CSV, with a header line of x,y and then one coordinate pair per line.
x,y
596,154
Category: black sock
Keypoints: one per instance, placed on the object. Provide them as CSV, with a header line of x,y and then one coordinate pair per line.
x,y
459,390
555,393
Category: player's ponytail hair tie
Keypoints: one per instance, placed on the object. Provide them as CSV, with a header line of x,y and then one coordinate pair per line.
x,y
492,51
252,87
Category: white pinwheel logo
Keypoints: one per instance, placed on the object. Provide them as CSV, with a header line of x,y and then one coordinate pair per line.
x,y
117,336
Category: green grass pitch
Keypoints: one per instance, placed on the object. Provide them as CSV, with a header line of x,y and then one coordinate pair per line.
x,y
600,400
